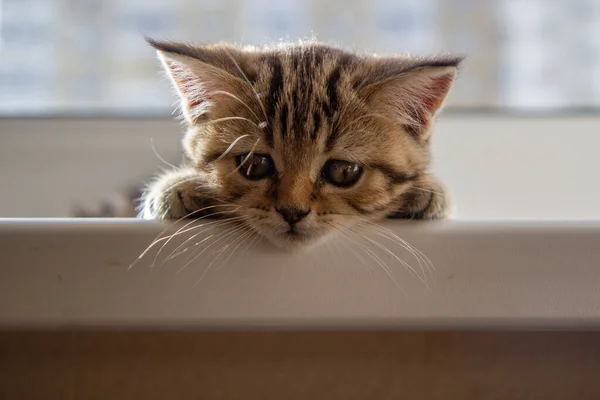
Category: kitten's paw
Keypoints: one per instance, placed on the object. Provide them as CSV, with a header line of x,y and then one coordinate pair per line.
x,y
175,195
426,199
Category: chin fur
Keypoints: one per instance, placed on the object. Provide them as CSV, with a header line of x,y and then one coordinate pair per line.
x,y
290,244
301,242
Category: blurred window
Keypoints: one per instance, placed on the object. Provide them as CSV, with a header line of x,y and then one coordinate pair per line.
x,y
88,57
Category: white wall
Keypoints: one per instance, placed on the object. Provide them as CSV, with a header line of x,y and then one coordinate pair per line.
x,y
496,166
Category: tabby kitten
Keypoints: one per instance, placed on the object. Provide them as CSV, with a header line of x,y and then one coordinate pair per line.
x,y
300,140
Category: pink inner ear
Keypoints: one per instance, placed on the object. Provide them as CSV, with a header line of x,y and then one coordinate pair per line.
x,y
430,97
198,87
435,92
185,82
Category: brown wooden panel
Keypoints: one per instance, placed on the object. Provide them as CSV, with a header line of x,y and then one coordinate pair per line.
x,y
308,365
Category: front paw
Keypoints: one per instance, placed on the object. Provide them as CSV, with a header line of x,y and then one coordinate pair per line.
x,y
176,195
426,199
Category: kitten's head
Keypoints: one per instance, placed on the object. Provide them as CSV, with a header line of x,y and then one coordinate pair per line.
x,y
307,138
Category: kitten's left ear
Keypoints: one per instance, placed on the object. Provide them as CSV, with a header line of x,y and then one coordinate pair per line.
x,y
207,78
413,90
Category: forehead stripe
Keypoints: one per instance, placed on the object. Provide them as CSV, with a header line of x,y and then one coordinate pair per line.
x,y
317,124
275,88
283,118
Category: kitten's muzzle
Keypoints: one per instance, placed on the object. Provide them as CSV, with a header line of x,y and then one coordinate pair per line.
x,y
292,215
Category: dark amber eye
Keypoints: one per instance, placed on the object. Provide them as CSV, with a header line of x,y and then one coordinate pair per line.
x,y
255,166
342,173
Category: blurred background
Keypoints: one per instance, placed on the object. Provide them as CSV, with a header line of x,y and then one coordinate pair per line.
x,y
89,57
85,109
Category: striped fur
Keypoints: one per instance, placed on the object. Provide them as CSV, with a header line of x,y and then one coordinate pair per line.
x,y
302,105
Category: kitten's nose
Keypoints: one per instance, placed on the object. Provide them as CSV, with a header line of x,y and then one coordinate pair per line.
x,y
292,215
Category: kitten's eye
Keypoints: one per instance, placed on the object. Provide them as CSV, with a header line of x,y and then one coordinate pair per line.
x,y
255,166
342,173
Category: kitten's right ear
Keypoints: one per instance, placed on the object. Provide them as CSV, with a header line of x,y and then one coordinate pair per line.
x,y
413,89
201,77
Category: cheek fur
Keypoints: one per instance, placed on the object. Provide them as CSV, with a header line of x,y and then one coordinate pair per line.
x,y
373,194
248,194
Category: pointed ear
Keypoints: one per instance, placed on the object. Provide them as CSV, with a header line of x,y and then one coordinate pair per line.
x,y
412,90
207,78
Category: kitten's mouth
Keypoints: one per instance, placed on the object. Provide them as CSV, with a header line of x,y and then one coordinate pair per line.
x,y
292,233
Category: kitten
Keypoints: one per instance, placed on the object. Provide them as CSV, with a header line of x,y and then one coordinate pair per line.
x,y
300,140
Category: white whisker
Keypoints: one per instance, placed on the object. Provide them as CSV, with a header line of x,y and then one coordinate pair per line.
x,y
427,190
180,231
262,107
231,146
424,263
218,238
215,121
362,260
255,236
215,259
186,180
247,157
183,229
159,156
374,256
241,238
158,238
404,263
255,241
213,224
421,258
238,99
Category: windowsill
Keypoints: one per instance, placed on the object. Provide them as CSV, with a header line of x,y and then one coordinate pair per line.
x,y
488,273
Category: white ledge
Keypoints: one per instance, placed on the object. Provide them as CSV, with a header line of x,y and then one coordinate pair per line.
x,y
494,274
